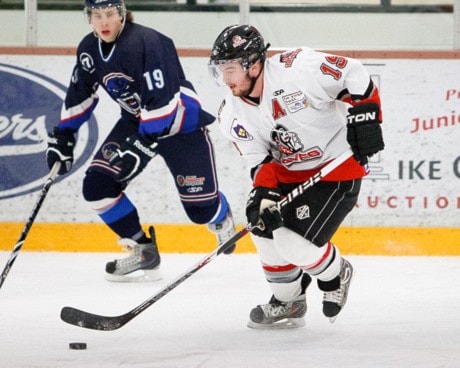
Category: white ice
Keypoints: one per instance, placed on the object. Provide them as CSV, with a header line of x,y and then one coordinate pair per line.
x,y
402,312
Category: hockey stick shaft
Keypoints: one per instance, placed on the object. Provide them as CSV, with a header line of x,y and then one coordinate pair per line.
x,y
33,214
92,321
331,166
84,319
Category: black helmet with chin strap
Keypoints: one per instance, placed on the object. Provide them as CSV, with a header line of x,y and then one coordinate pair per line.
x,y
239,42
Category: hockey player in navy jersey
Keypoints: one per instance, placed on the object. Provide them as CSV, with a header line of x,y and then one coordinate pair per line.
x,y
288,116
160,114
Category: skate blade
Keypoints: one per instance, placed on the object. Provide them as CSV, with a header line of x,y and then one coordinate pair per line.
x,y
332,319
284,324
136,276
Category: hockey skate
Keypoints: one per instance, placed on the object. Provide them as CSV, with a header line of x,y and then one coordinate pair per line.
x,y
224,230
143,264
281,315
334,301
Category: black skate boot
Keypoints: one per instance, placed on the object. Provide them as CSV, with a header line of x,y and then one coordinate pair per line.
x,y
334,300
143,264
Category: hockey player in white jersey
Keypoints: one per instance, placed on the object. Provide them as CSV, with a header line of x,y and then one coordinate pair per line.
x,y
288,116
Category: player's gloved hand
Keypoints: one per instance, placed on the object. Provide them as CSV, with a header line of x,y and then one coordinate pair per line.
x,y
261,211
60,149
364,133
132,157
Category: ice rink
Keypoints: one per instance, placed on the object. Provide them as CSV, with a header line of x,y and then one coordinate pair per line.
x,y
402,312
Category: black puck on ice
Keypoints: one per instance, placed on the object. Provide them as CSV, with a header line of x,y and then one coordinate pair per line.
x,y
77,345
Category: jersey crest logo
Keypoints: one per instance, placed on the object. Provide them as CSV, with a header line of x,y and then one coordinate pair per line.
x,y
291,148
120,87
239,132
286,141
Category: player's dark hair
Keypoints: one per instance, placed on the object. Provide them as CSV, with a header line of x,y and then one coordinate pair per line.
x,y
129,16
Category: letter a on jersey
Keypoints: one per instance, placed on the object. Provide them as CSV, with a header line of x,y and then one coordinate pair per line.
x,y
278,111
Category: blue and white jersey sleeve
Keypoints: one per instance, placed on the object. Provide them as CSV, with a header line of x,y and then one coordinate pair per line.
x,y
81,98
170,104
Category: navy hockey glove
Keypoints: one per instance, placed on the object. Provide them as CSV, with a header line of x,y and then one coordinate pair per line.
x,y
60,149
364,133
132,157
261,211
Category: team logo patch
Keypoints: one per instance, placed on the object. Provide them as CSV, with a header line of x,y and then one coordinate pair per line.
x,y
238,41
291,148
295,101
108,149
193,183
239,132
287,142
303,212
87,62
288,58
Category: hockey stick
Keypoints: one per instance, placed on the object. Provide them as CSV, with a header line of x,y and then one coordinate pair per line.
x,y
92,321
49,181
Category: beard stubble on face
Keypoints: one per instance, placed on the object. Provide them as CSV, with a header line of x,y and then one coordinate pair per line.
x,y
243,90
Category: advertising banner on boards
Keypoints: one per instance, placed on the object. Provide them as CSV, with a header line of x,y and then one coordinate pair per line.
x,y
414,182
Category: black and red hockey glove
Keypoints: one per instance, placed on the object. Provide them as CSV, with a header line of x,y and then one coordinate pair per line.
x,y
364,134
262,213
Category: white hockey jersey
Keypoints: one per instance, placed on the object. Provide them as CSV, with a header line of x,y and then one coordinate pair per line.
x,y
300,120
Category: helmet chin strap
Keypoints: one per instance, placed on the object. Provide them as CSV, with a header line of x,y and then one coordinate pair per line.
x,y
253,81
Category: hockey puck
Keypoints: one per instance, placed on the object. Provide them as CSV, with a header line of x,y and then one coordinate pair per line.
x,y
77,345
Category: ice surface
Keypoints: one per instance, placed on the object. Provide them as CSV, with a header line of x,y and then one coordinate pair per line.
x,y
401,312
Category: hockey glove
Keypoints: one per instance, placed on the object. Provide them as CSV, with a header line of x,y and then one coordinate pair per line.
x,y
262,213
60,149
132,157
364,133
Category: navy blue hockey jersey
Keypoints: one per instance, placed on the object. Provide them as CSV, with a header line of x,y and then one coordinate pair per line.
x,y
143,74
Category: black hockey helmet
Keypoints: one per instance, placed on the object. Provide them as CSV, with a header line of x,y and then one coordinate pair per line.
x,y
101,4
239,42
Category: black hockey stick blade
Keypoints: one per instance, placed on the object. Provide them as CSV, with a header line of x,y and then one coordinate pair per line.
x,y
92,321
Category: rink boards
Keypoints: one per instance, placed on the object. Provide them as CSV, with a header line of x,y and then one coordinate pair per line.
x,y
391,241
